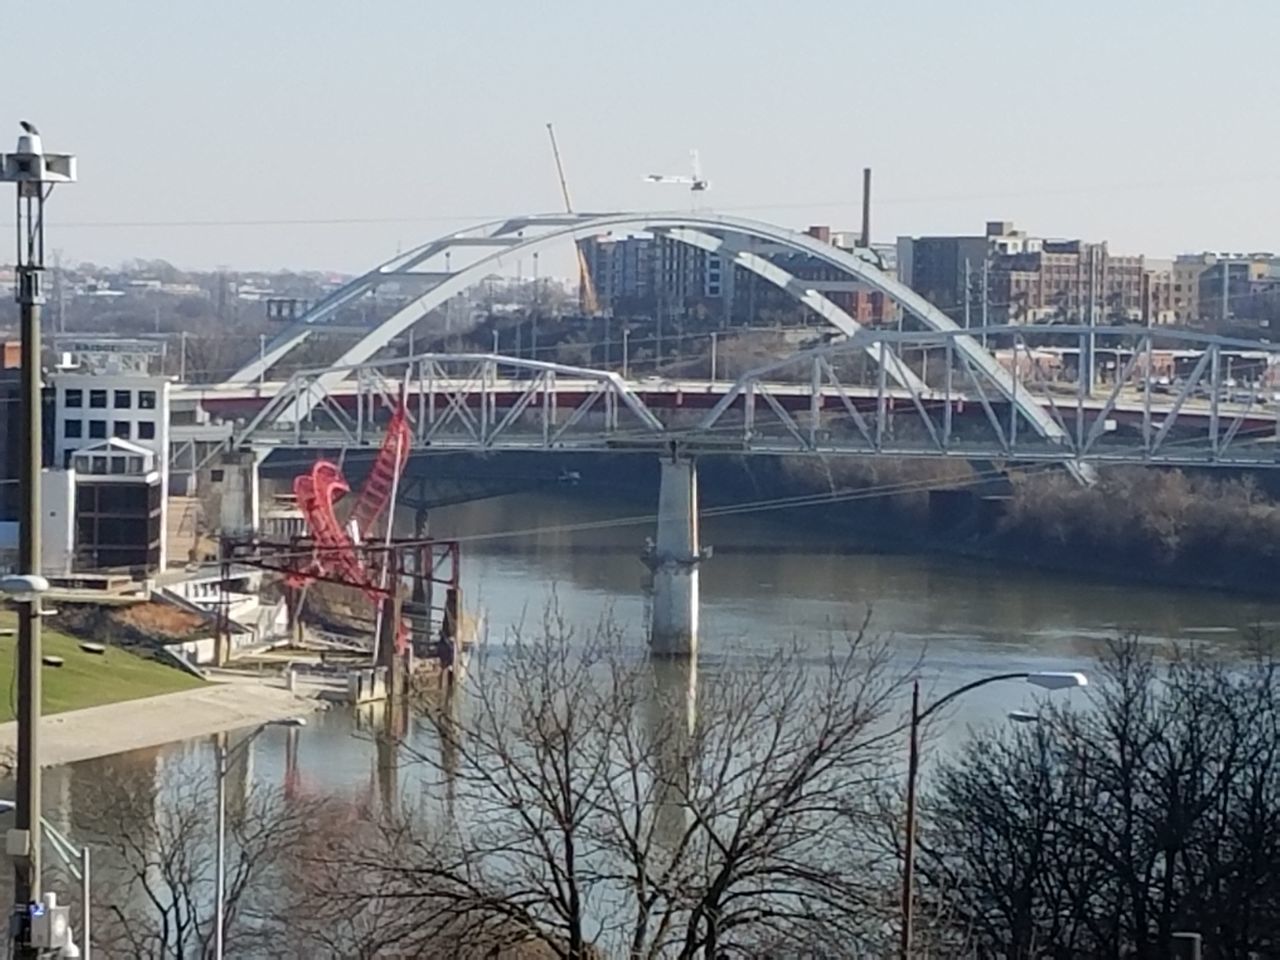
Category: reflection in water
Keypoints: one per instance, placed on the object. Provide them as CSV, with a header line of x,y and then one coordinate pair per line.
x,y
292,775
671,709
387,723
770,582
449,733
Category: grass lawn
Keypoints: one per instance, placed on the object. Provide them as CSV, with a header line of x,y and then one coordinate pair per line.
x,y
85,679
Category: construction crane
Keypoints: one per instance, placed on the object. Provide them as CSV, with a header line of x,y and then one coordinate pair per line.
x,y
697,183
587,299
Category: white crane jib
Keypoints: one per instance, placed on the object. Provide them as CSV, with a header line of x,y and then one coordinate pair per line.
x,y
697,183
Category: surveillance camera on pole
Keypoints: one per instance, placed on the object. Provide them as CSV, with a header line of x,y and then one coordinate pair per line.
x,y
35,172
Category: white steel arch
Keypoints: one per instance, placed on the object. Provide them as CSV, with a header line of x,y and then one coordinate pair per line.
x,y
525,235
508,237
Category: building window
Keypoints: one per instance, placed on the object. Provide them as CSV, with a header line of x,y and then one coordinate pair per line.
x,y
97,429
74,398
73,429
120,429
146,430
215,476
97,398
123,399
146,399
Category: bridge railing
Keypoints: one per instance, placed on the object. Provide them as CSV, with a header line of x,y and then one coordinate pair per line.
x,y
468,399
1153,396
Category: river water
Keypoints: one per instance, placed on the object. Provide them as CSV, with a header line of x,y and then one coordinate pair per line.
x,y
772,580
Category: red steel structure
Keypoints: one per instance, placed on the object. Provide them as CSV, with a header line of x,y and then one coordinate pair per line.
x,y
379,488
317,492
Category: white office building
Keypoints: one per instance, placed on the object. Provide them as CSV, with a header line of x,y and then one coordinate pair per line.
x,y
112,430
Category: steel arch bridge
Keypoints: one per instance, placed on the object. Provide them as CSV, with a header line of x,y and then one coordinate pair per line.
x,y
815,401
500,242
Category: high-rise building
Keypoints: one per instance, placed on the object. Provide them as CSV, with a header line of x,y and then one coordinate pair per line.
x,y
1239,290
937,267
645,275
622,269
1187,270
1024,279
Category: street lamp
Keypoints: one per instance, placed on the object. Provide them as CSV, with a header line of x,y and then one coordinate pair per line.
x,y
224,761
35,173
23,588
76,860
1048,680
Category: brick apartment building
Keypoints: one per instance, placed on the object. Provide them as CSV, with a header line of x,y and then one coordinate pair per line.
x,y
1032,280
646,275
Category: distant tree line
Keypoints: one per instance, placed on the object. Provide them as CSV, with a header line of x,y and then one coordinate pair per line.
x,y
1156,523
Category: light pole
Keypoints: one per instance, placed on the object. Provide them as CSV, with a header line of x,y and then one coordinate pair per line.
x,y
1048,680
35,173
626,336
224,761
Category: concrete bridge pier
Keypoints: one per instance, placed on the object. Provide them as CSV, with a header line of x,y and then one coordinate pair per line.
x,y
239,493
673,557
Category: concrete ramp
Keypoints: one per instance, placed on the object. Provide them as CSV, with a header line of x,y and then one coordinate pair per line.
x,y
155,721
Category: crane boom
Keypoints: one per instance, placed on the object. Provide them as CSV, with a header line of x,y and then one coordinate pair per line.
x,y
564,184
586,289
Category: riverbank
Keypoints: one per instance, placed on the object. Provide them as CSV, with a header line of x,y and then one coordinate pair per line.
x,y
112,728
89,679
1169,528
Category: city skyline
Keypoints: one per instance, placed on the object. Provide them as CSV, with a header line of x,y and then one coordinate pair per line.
x,y
328,141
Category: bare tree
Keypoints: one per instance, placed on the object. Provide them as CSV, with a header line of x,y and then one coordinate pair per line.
x,y
1101,832
594,802
154,852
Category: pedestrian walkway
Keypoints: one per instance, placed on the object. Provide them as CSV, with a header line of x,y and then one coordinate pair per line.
x,y
134,724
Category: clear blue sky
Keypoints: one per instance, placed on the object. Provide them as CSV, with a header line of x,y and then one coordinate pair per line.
x,y
1149,124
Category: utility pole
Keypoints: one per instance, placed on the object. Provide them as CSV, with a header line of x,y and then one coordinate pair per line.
x,y
448,306
182,357
1087,375
35,173
968,292
1226,290
866,208
221,297
986,269
661,299
537,309
59,294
